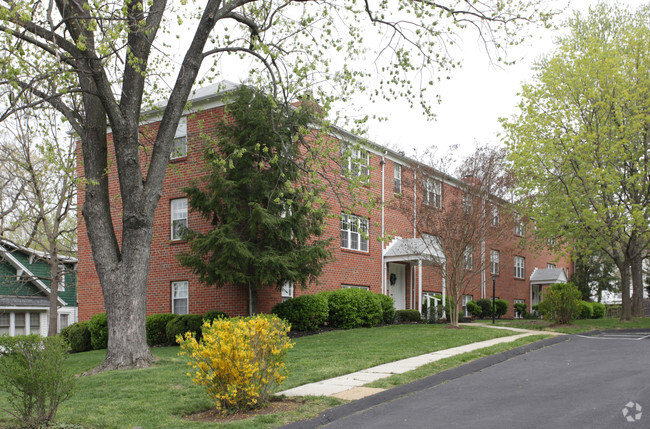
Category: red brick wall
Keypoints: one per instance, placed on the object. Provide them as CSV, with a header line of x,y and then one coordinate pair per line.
x,y
348,266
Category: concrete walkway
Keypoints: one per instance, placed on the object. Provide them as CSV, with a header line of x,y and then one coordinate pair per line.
x,y
350,386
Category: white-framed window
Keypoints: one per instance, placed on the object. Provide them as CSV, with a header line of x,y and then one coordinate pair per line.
x,y
178,218
287,291
354,232
520,229
64,321
466,299
495,216
398,179
549,265
468,257
520,267
432,192
343,286
550,241
5,323
19,323
180,297
354,161
518,301
494,262
467,203
179,144
35,323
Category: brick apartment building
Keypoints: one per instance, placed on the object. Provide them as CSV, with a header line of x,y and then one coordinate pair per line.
x,y
378,250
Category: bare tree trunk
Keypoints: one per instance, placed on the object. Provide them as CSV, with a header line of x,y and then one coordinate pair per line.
x,y
55,276
638,309
626,311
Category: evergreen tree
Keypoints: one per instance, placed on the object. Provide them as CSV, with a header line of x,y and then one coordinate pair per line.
x,y
267,219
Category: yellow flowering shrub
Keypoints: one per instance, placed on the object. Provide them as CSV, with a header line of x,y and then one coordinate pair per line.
x,y
238,359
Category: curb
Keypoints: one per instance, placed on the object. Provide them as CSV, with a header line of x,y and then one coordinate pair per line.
x,y
359,405
614,331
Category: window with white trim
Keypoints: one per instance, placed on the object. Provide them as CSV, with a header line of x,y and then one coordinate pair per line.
x,y
354,161
35,323
517,314
466,299
520,267
398,179
178,218
19,323
64,321
354,232
495,216
5,323
467,203
179,144
468,257
494,262
549,265
520,229
432,192
180,297
287,291
354,287
61,278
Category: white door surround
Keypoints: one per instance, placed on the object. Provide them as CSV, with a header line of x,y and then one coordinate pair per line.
x,y
397,284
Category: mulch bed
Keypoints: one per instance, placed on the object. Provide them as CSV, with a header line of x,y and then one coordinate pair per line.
x,y
276,405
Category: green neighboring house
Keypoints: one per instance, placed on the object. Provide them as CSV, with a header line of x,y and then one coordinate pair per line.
x,y
25,290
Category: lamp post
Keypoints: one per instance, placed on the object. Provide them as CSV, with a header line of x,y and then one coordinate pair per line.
x,y
494,282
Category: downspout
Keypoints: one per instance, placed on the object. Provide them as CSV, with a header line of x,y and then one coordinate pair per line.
x,y
383,232
483,261
415,199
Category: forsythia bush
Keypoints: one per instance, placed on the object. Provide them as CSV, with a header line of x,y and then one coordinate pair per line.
x,y
238,359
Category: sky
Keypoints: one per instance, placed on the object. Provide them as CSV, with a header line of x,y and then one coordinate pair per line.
x,y
473,100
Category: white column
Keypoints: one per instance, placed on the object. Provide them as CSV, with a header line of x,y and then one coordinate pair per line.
x,y
420,285
444,289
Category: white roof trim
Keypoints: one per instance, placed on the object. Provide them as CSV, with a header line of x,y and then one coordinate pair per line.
x,y
27,273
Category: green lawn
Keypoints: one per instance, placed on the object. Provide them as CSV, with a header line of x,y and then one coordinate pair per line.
x,y
576,327
159,396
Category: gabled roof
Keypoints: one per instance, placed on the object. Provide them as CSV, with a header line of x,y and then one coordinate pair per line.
x,y
547,276
27,273
426,249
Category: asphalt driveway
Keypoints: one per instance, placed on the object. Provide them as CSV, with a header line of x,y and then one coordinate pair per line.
x,y
599,381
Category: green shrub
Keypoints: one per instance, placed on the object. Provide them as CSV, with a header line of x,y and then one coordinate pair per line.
x,y
387,309
303,313
561,303
32,374
156,325
182,324
486,307
408,316
521,308
98,327
214,314
474,309
598,310
586,310
77,336
501,306
353,308
239,360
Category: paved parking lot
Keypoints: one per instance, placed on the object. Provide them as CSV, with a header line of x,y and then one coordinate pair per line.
x,y
599,381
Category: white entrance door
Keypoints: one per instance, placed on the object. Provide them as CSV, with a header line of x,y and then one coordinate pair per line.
x,y
397,285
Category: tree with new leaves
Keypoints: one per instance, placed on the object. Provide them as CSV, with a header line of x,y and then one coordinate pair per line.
x,y
263,205
580,148
42,161
101,63
459,217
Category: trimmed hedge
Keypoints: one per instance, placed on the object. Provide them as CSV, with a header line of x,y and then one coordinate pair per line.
x,y
586,310
387,308
157,328
77,336
304,313
486,307
354,308
98,327
214,314
408,316
474,309
182,324
598,310
521,308
501,306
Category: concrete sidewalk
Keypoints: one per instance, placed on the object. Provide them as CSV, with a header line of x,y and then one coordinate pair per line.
x,y
350,386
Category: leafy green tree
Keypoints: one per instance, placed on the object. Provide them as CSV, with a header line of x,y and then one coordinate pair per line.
x,y
579,147
267,218
594,274
101,63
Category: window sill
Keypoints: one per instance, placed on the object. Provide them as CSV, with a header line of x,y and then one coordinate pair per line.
x,y
176,242
179,159
358,252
